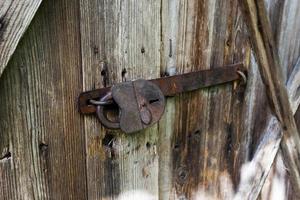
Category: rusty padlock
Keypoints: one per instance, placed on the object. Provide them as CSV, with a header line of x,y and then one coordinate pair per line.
x,y
141,103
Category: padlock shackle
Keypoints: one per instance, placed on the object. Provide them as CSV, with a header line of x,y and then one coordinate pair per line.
x,y
102,117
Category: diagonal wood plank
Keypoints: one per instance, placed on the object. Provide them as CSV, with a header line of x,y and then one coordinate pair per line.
x,y
256,18
256,171
283,16
15,16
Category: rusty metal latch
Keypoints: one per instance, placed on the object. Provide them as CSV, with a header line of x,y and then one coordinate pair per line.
x,y
135,105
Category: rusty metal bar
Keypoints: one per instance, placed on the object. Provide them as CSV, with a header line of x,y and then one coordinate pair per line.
x,y
172,85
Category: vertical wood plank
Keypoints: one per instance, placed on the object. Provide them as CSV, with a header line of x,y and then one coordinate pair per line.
x,y
200,35
186,24
38,107
120,42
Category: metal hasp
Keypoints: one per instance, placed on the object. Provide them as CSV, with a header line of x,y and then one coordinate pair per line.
x,y
139,104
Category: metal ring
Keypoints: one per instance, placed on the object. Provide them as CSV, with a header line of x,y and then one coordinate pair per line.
x,y
243,75
102,117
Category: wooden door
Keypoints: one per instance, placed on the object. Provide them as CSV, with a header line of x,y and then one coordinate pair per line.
x,y
204,139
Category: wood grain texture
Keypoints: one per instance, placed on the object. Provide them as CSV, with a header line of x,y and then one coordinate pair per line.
x,y
39,120
199,142
293,84
287,42
257,170
200,145
120,41
15,16
264,47
282,15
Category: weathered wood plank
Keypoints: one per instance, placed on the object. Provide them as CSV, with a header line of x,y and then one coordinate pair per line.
x,y
198,146
126,36
199,35
266,54
15,16
280,22
282,16
278,176
293,85
7,179
42,128
256,171
179,36
288,44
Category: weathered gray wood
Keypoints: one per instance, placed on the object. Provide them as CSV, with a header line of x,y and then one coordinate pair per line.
x,y
264,47
39,123
284,17
293,85
256,171
15,16
126,36
278,174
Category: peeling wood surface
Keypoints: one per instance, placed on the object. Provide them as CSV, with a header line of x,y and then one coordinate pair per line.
x,y
15,16
201,147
